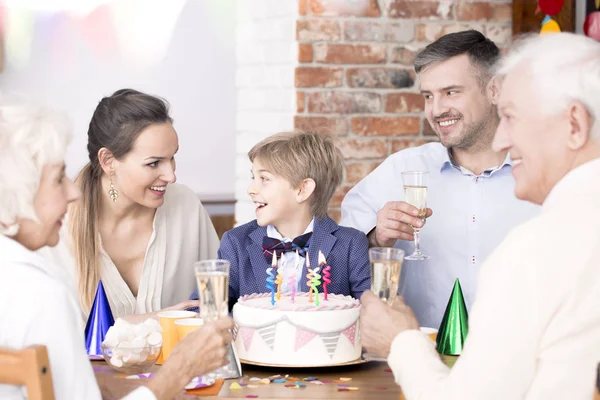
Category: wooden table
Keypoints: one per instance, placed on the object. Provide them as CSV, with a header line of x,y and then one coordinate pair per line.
x,y
373,379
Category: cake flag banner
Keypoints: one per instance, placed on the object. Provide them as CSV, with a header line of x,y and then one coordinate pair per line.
x,y
350,333
247,335
98,323
268,335
330,340
454,327
303,337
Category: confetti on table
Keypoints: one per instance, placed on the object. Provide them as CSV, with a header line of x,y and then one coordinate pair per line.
x,y
252,386
388,370
345,379
274,377
265,381
279,380
300,384
291,378
235,386
380,388
290,386
316,382
338,381
251,396
254,379
326,380
353,388
343,390
343,385
310,378
242,384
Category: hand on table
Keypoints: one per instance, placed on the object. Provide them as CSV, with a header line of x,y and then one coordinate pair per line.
x,y
395,221
200,352
380,323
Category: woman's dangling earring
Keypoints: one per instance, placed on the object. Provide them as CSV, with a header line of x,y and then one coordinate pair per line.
x,y
113,193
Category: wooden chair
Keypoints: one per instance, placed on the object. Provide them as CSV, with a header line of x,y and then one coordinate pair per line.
x,y
30,368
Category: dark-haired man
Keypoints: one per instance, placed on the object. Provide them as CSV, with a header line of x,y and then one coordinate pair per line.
x,y
470,189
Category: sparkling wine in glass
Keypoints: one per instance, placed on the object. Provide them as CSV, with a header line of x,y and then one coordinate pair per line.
x,y
386,266
212,277
415,194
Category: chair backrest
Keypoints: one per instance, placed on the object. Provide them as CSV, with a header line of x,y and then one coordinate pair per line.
x,y
30,368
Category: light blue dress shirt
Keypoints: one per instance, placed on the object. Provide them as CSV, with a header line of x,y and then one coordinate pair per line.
x,y
471,215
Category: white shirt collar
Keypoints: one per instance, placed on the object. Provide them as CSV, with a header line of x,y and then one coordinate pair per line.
x,y
272,232
575,181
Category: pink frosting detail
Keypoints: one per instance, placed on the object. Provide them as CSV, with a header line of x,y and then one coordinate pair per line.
x,y
350,303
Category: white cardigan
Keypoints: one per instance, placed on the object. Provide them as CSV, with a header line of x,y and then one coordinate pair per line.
x,y
534,329
183,234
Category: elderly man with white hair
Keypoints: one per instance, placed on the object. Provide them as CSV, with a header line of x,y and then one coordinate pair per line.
x,y
36,305
534,329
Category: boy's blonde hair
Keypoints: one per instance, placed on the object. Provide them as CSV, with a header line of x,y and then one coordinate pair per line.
x,y
300,155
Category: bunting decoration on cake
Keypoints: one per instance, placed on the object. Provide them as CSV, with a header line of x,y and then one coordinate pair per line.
x,y
330,340
234,333
268,335
303,336
247,335
454,327
350,333
98,323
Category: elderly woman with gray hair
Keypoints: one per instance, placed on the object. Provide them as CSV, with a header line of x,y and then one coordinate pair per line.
x,y
36,305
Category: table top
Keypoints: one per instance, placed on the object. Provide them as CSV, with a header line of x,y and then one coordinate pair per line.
x,y
373,380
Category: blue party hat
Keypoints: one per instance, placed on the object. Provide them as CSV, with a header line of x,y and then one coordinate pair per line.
x,y
98,322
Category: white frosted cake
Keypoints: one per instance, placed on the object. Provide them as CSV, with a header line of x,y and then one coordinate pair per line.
x,y
299,333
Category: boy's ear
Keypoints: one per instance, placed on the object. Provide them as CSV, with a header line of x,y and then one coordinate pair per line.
x,y
305,189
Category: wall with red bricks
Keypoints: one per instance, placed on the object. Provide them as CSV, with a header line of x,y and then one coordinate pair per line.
x,y
354,77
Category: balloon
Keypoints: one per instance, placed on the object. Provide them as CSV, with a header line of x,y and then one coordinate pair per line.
x,y
591,27
551,7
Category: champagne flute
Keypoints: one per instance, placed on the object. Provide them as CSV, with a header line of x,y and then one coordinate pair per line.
x,y
212,278
386,266
415,194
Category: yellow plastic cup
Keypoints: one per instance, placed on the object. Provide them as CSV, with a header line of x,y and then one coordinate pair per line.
x,y
431,332
169,331
186,326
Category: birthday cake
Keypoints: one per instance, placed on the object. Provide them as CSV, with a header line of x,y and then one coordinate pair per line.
x,y
298,333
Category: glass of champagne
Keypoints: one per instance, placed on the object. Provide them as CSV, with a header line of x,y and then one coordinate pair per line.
x,y
212,277
386,266
415,194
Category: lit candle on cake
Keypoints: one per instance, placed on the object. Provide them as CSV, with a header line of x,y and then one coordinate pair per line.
x,y
309,276
316,281
292,277
279,277
326,273
271,277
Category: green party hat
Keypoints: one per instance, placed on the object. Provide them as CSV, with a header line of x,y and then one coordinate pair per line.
x,y
455,326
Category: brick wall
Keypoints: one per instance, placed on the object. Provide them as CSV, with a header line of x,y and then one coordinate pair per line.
x,y
354,77
266,55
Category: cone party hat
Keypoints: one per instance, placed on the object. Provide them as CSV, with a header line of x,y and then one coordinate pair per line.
x,y
454,327
98,322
